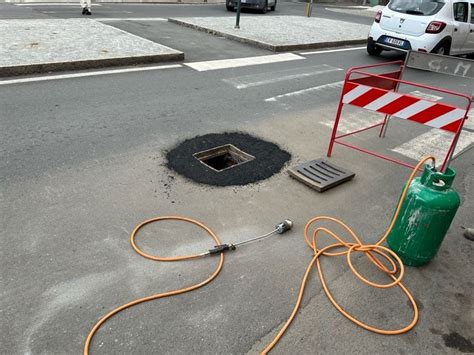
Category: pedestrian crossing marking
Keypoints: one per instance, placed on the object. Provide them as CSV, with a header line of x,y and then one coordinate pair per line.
x,y
335,85
434,142
246,81
242,62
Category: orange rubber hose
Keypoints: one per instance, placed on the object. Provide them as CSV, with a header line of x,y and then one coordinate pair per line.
x,y
158,258
369,251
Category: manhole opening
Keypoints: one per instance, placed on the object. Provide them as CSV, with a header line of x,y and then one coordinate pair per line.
x,y
223,157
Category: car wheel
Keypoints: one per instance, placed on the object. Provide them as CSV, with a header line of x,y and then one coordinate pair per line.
x,y
265,7
274,6
372,49
442,48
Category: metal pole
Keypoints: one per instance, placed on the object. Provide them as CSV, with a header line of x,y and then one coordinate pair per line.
x,y
237,17
386,121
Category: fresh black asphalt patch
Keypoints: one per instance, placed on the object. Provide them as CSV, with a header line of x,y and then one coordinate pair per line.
x,y
269,159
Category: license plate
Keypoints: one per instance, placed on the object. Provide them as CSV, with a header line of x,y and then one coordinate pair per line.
x,y
395,42
243,1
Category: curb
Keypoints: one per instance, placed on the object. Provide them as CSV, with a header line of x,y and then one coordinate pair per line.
x,y
183,2
271,47
87,64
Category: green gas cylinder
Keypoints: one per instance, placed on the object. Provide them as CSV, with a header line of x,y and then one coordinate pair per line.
x,y
425,216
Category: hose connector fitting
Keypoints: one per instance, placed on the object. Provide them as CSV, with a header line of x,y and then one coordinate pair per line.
x,y
221,248
284,226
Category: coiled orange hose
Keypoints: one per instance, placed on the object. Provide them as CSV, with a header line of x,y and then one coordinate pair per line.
x,y
159,258
368,250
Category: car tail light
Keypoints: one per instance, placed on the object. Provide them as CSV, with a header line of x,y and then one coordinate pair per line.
x,y
435,27
378,16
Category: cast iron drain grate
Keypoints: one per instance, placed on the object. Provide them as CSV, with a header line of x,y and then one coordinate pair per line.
x,y
223,157
194,159
320,174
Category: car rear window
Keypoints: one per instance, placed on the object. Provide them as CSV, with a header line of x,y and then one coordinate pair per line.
x,y
416,7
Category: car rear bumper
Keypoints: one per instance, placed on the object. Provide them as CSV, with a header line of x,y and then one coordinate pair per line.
x,y
426,42
248,4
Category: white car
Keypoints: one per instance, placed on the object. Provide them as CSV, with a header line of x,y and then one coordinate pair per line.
x,y
436,26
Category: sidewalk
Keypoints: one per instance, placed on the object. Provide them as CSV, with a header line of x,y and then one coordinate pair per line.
x,y
43,45
294,32
34,46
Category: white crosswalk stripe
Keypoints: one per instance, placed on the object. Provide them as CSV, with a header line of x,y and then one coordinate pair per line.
x,y
244,82
335,85
242,62
434,142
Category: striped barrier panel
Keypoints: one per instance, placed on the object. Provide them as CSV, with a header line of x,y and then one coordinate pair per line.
x,y
407,107
379,93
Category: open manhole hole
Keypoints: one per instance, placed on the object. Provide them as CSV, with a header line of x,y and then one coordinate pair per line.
x,y
223,157
227,159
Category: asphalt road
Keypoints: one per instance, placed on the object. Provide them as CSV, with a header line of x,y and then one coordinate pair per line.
x,y
83,161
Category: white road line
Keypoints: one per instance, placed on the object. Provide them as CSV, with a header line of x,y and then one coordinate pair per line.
x,y
435,142
353,120
424,95
247,81
82,75
108,19
333,50
53,4
242,62
337,84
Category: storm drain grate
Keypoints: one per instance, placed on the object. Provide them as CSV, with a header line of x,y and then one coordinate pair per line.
x,y
320,174
223,157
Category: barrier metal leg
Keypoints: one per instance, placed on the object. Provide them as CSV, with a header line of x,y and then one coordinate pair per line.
x,y
450,153
334,128
383,131
383,128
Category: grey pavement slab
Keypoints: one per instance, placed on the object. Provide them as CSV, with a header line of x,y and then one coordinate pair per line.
x,y
32,46
281,33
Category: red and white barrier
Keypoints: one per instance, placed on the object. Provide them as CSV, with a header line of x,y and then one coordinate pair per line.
x,y
433,114
379,93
